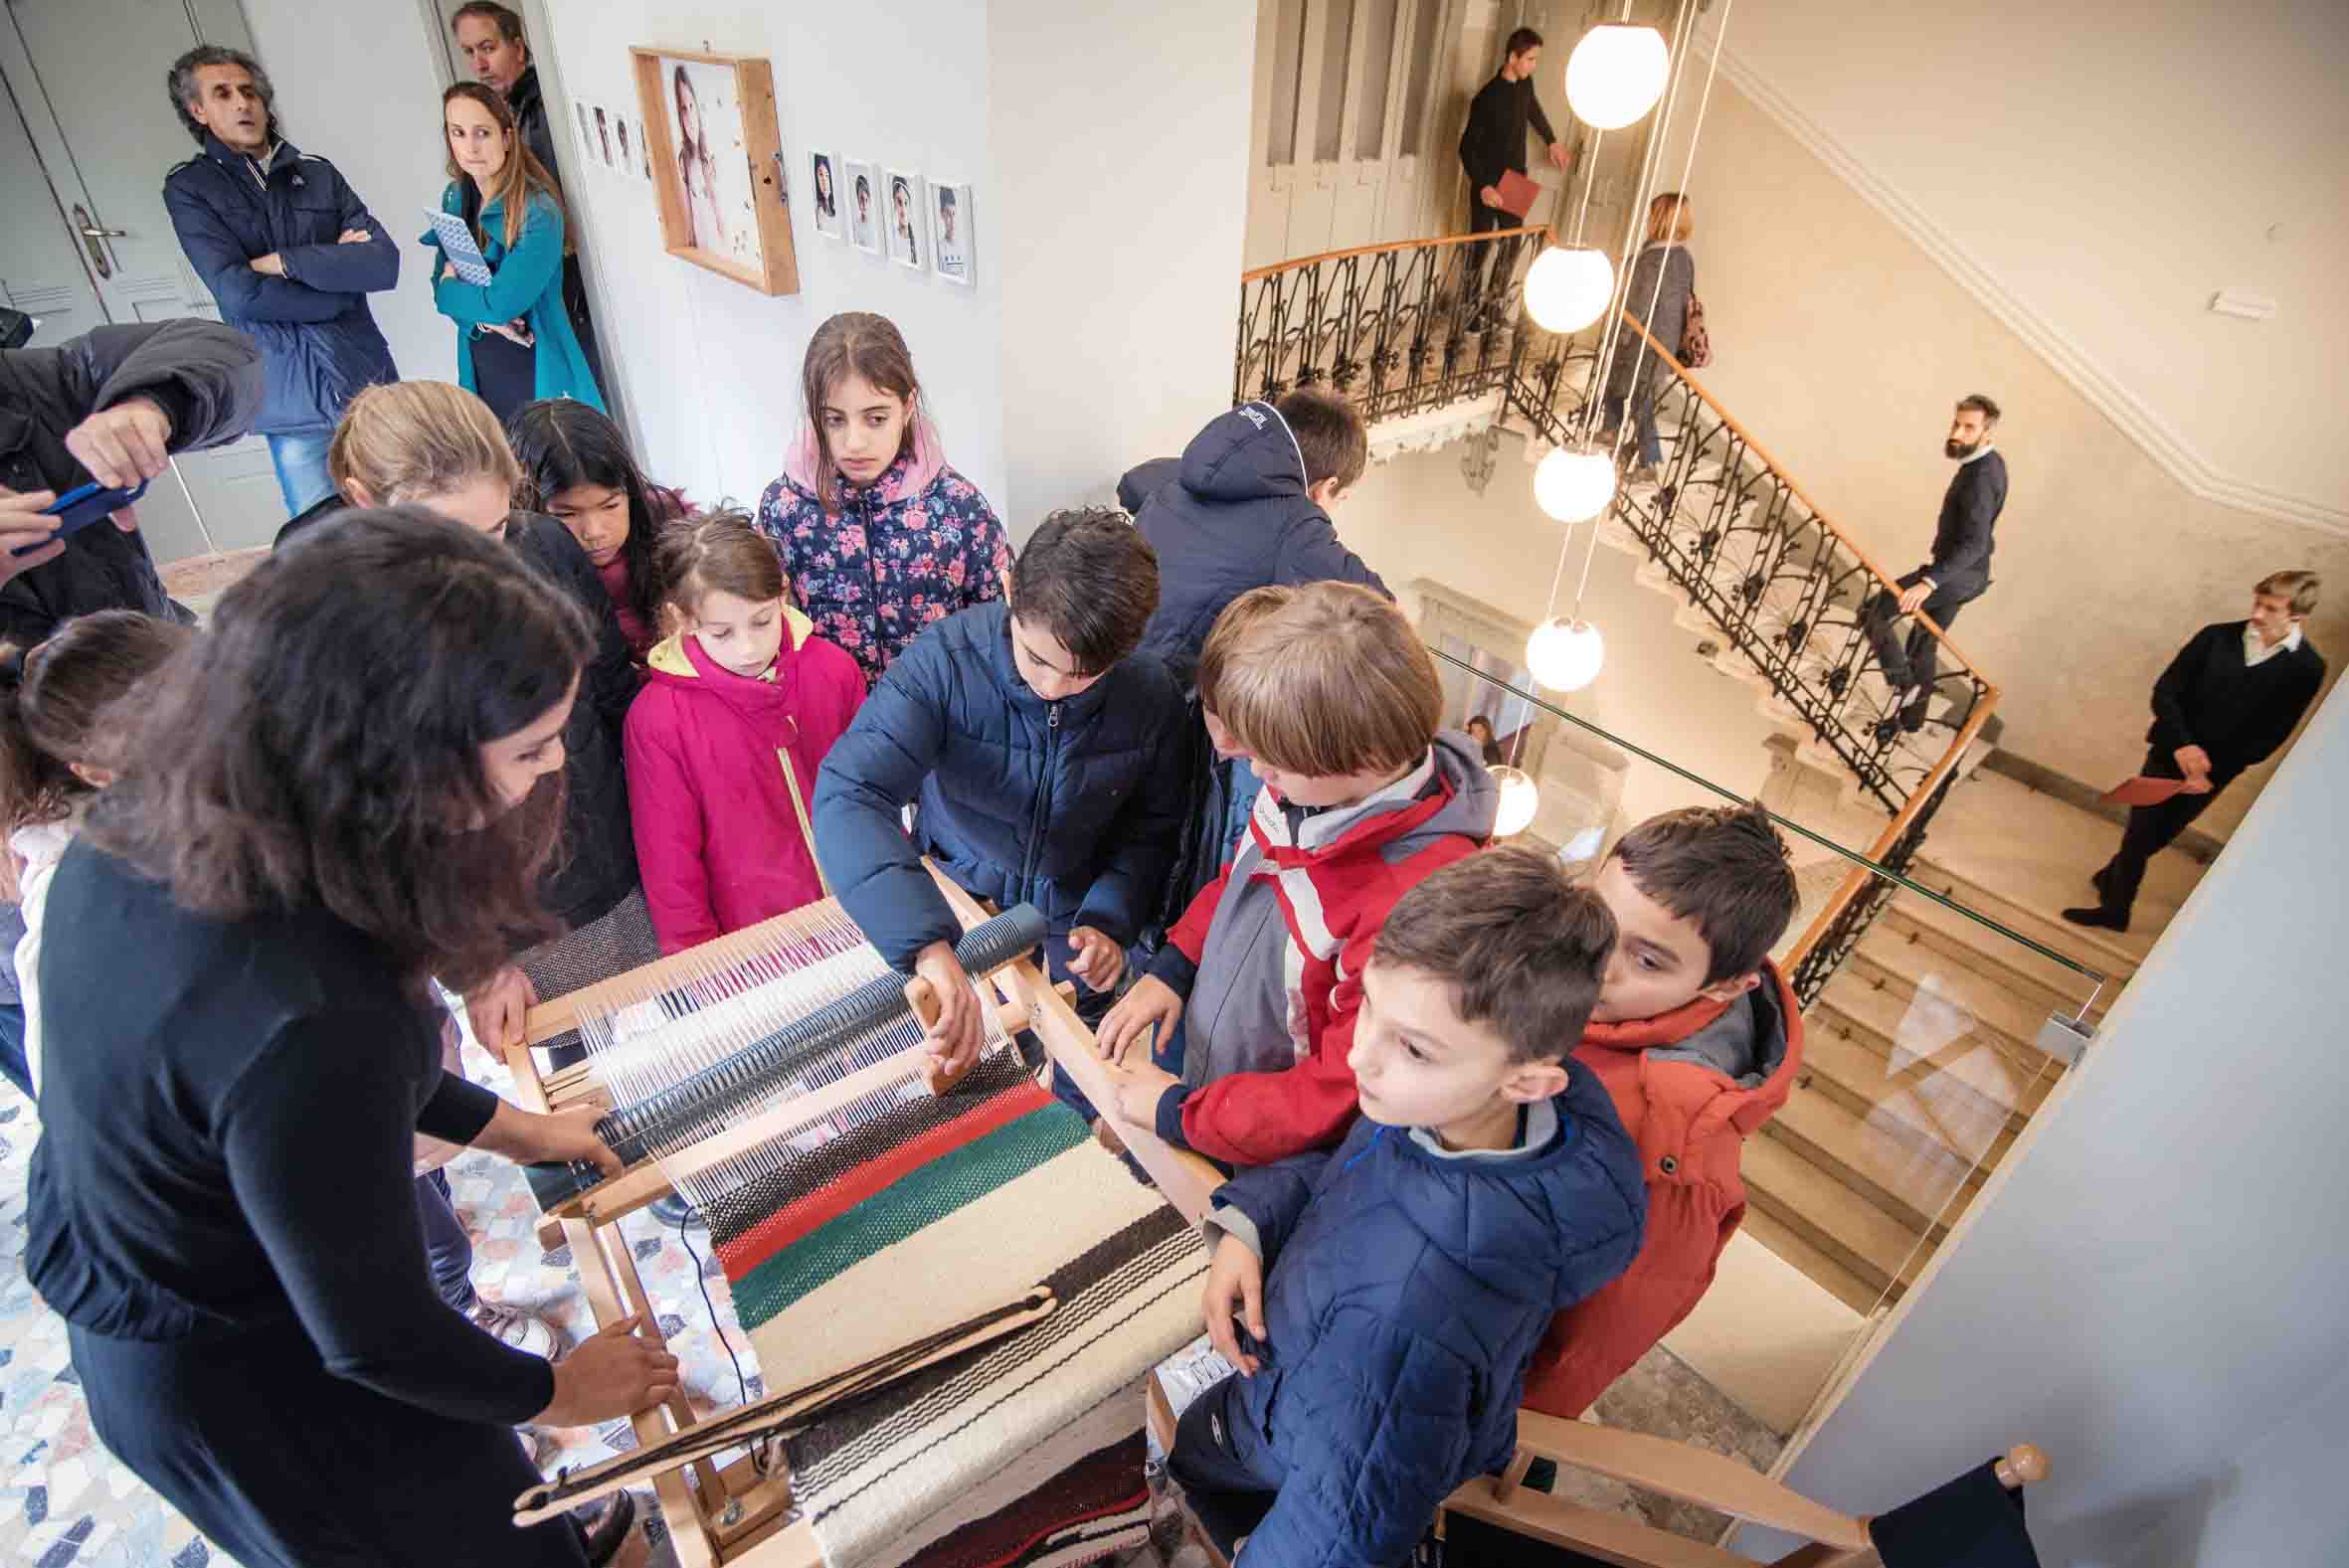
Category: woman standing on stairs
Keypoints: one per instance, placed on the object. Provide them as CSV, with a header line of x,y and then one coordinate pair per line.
x,y
1662,278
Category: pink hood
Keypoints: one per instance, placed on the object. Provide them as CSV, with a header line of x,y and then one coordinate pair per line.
x,y
903,479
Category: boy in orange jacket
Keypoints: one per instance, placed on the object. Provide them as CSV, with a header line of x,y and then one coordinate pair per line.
x,y
1698,1039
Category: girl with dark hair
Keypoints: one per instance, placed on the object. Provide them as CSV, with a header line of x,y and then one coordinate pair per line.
x,y
740,707
343,789
575,468
697,167
877,535
514,341
61,733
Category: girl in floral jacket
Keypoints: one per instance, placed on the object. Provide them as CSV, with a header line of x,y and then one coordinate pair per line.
x,y
877,535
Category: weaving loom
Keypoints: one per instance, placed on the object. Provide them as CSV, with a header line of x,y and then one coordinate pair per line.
x,y
865,1218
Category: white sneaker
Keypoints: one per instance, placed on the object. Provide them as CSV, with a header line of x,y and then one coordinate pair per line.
x,y
514,1329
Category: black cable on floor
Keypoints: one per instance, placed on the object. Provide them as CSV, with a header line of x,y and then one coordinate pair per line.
x,y
741,1384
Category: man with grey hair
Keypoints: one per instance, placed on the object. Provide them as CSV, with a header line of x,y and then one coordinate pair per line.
x,y
290,252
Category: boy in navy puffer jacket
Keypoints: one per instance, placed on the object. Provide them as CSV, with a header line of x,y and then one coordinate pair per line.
x,y
1034,738
1390,1293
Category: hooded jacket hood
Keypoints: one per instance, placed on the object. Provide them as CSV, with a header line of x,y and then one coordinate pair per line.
x,y
1248,455
903,481
1707,1063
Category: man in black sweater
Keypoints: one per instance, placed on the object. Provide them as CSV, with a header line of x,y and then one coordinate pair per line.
x,y
2229,700
1958,572
1495,144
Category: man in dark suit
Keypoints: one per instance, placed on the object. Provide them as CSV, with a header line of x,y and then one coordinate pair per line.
x,y
1494,144
2229,700
1958,572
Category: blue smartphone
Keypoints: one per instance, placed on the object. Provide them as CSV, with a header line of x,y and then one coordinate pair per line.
x,y
77,508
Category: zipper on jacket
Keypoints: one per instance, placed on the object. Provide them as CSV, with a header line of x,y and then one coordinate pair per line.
x,y
872,576
1035,826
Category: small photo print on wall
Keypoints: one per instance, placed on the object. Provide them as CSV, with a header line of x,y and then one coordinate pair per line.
x,y
904,217
643,151
627,148
586,131
822,180
949,231
863,195
604,136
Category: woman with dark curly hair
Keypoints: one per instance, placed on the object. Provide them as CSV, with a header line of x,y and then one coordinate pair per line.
x,y
347,786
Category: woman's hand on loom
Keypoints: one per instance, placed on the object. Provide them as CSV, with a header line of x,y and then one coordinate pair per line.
x,y
499,1008
1235,1287
622,1370
554,1137
954,1040
1094,958
1151,1001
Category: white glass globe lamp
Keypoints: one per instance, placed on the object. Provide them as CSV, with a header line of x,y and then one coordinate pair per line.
x,y
1565,655
1617,74
1573,485
1567,287
1519,798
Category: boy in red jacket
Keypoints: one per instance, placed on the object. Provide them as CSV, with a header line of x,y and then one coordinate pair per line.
x,y
1698,1039
1329,695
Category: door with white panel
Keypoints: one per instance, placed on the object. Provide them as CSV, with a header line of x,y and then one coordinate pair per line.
x,y
85,83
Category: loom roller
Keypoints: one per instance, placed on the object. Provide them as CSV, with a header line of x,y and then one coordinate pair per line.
x,y
634,1131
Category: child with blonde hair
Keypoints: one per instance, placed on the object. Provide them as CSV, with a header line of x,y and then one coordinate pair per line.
x,y
741,704
1329,694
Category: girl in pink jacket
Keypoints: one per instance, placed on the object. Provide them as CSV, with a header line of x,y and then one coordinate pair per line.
x,y
740,704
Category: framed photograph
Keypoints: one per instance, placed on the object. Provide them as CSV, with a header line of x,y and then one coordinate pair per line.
x,y
644,152
587,131
825,183
909,240
604,136
628,151
861,192
949,231
716,150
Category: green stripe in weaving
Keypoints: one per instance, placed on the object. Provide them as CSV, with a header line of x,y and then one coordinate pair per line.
x,y
922,1197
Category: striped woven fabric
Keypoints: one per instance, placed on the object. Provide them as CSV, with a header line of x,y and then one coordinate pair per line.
x,y
954,1207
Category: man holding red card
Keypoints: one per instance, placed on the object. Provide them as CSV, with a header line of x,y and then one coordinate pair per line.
x,y
1494,146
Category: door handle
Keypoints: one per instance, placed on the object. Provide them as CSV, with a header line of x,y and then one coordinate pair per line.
x,y
91,234
107,234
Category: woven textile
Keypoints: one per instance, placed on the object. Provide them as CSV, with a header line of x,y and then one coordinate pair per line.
x,y
955,1209
614,943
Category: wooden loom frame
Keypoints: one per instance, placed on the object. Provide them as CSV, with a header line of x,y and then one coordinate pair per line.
x,y
732,1515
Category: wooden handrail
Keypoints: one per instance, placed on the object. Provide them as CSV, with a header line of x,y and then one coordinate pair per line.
x,y
1857,881
1259,274
1818,514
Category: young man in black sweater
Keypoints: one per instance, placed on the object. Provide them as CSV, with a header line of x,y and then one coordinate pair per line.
x,y
1494,144
2229,700
1957,574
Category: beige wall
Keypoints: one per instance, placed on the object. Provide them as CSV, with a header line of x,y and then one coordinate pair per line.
x,y
1841,345
1415,517
2106,166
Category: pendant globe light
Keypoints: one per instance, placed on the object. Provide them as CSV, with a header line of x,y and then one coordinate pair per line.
x,y
1573,483
1565,655
1567,286
1519,798
1617,74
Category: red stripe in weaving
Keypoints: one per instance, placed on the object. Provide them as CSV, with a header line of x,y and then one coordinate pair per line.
x,y
826,1203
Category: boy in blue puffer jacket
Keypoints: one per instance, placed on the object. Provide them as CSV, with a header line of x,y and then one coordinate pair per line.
x,y
1391,1292
1034,740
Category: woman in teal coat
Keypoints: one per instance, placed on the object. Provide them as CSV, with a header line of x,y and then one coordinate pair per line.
x,y
514,341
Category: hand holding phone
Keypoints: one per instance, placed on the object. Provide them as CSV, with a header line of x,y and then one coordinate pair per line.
x,y
69,513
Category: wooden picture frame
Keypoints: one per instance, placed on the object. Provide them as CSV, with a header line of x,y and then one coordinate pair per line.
x,y
734,218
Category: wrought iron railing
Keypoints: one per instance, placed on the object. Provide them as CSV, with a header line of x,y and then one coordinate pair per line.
x,y
1424,324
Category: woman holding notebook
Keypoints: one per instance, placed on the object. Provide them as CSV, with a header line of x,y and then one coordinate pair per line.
x,y
516,341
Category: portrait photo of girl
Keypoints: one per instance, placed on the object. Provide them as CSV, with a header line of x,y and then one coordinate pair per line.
x,y
697,163
905,219
828,200
865,224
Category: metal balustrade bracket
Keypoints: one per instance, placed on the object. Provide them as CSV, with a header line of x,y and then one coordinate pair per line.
x,y
2065,1039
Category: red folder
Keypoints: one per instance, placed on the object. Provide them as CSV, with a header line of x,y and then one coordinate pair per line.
x,y
1517,194
2142,790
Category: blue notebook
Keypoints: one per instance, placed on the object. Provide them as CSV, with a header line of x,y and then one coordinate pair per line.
x,y
457,243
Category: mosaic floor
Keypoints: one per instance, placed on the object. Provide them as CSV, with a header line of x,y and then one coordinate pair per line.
x,y
63,1501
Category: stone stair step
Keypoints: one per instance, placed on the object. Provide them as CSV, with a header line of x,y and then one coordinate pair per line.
x,y
1859,1013
2028,975
1857,1236
2095,948
1924,1188
1906,967
1916,1104
1817,1266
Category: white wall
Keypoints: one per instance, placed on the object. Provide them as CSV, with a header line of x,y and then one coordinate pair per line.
x,y
2152,1287
1121,147
711,368
357,86
2107,165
